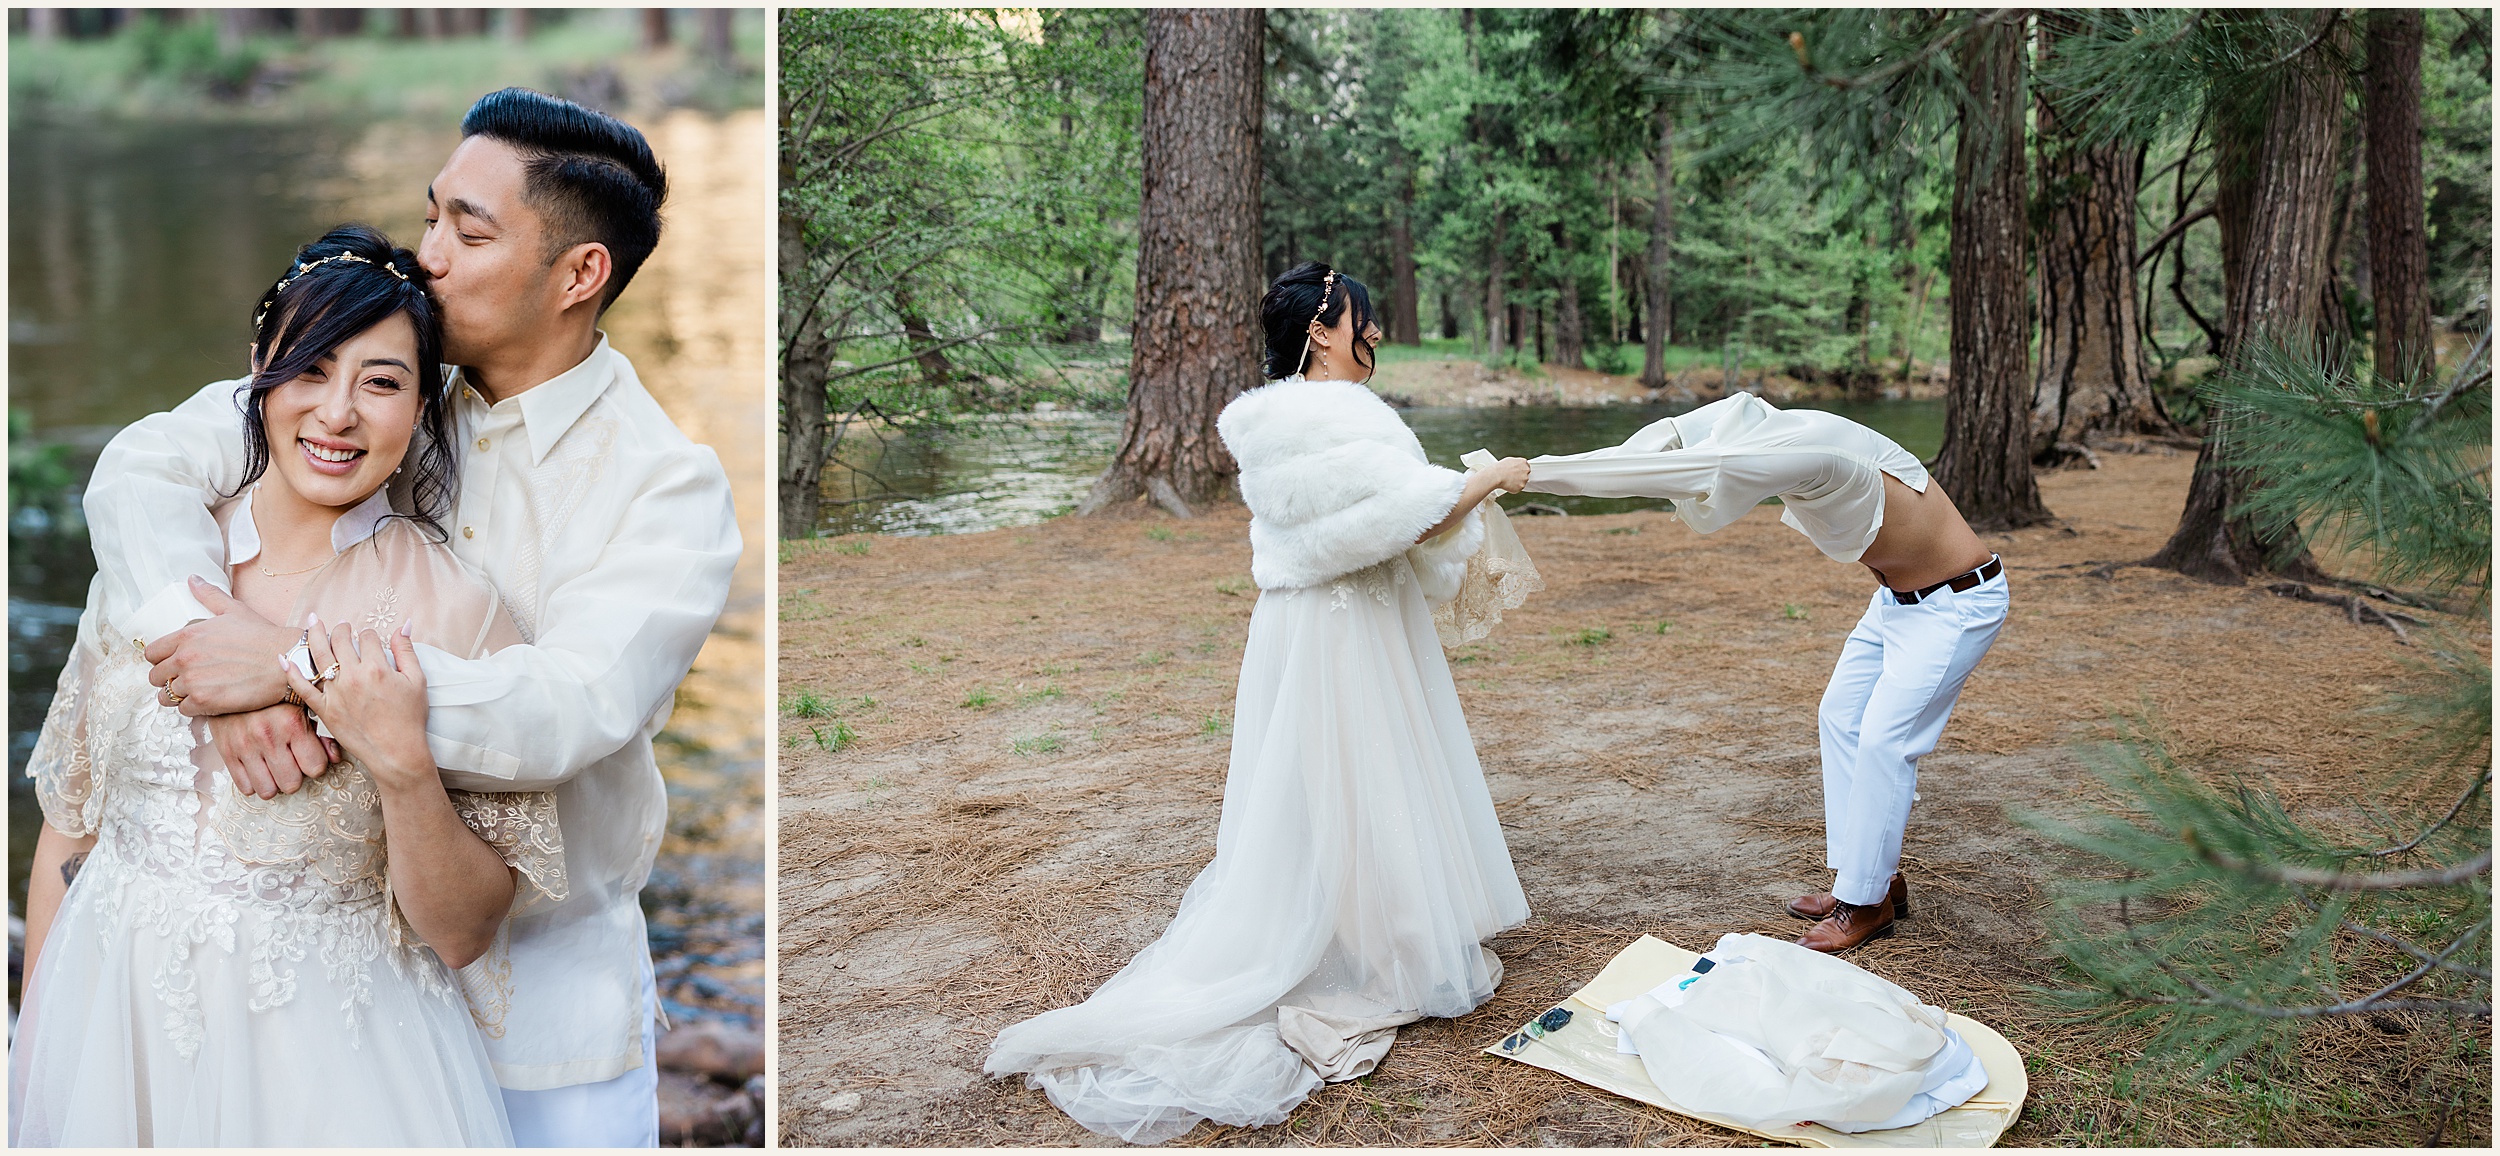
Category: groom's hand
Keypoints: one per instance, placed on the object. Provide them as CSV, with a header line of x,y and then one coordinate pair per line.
x,y
221,665
271,751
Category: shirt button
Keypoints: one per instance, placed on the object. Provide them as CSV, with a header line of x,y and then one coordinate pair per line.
x,y
481,443
468,531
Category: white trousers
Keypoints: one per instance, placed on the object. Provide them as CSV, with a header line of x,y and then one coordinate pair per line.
x,y
1894,687
620,1113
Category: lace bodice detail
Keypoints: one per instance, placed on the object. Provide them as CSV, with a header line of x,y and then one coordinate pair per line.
x,y
183,855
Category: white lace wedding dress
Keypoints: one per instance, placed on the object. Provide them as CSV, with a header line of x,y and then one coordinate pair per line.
x,y
232,971
1358,865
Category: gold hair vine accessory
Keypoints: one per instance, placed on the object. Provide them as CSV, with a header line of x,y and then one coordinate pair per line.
x,y
303,267
1326,284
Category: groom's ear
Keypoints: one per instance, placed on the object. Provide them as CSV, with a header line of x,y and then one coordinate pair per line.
x,y
582,274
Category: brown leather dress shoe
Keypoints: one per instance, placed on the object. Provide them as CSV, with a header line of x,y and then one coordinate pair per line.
x,y
1819,904
1848,926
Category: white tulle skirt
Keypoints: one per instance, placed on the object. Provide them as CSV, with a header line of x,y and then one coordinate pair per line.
x,y
1358,869
116,1003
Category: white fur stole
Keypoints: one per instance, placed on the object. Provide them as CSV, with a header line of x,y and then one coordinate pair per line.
x,y
1335,482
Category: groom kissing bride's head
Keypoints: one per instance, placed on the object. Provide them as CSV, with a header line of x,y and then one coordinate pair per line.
x,y
604,541
540,218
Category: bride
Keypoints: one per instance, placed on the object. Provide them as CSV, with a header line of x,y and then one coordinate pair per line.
x,y
210,965
1358,864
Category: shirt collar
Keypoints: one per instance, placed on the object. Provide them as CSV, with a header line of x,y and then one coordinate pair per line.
x,y
354,526
551,407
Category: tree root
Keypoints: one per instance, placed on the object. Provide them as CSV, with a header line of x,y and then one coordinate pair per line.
x,y
2357,609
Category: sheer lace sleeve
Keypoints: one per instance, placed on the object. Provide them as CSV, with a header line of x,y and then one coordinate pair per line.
x,y
62,763
1499,577
521,827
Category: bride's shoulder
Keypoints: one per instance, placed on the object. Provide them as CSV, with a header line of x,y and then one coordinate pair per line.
x,y
1293,417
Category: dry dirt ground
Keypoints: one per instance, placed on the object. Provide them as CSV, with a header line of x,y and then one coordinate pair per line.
x,y
1032,731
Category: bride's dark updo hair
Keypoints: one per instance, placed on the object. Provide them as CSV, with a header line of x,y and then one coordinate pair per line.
x,y
1294,301
349,281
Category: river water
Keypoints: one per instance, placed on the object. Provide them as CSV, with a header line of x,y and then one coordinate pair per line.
x,y
136,254
1019,469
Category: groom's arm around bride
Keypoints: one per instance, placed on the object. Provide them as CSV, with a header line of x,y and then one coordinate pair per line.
x,y
609,535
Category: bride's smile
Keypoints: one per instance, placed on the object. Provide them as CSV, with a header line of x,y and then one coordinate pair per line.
x,y
350,417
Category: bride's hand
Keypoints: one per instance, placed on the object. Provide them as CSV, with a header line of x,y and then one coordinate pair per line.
x,y
1511,474
370,692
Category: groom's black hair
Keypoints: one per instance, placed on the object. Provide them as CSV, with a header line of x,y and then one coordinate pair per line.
x,y
349,281
590,176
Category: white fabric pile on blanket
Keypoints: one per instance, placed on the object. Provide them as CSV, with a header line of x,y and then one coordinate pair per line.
x,y
1767,1032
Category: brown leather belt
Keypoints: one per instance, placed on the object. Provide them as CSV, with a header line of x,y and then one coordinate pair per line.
x,y
1957,583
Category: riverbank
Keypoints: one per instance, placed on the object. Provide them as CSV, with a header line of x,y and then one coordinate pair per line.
x,y
165,66
1470,382
1007,754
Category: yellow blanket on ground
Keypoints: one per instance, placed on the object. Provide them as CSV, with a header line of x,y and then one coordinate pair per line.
x,y
1584,1050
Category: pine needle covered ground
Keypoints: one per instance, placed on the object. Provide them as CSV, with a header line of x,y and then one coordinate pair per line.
x,y
1004,755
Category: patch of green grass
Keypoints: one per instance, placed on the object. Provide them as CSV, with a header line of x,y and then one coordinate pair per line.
x,y
1215,724
980,697
808,704
1159,533
1152,658
855,547
1233,587
833,738
1050,668
1592,636
1049,692
915,640
1032,745
1792,612
1664,625
1621,530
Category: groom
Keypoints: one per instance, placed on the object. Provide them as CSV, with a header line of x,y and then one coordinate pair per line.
x,y
1937,608
610,536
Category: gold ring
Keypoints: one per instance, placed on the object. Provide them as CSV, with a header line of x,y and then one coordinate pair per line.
x,y
325,676
173,699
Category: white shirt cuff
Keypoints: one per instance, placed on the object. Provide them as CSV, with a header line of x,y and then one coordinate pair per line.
x,y
172,609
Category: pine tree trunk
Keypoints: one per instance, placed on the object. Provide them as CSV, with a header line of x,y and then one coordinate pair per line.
x,y
1568,327
2275,194
1196,341
1405,326
1986,460
1661,254
2391,108
2092,381
1498,332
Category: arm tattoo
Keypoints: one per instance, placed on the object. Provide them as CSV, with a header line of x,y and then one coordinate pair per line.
x,y
70,866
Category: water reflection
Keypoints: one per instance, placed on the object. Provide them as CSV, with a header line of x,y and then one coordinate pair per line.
x,y
136,253
1020,469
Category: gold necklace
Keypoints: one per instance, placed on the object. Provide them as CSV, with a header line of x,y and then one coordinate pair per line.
x,y
292,573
